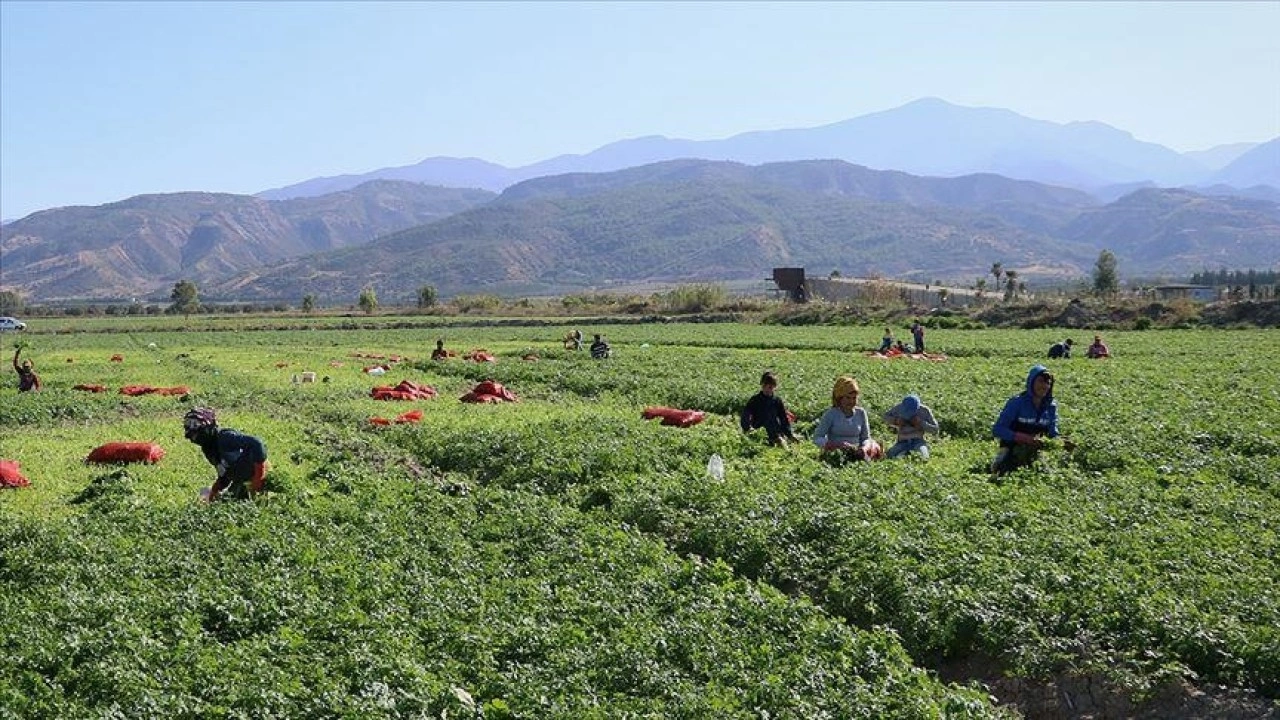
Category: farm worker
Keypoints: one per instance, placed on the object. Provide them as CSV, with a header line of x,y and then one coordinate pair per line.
x,y
1097,349
886,342
902,348
912,420
843,430
440,353
27,378
1061,349
573,341
1026,418
917,334
600,349
766,410
241,460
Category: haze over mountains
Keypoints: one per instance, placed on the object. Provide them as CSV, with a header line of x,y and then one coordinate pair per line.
x,y
144,244
646,210
926,137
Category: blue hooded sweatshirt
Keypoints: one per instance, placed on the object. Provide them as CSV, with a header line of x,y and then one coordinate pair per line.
x,y
1020,414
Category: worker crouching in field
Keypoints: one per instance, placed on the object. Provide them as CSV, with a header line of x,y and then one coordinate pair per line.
x,y
241,460
766,410
912,420
843,432
1027,418
600,349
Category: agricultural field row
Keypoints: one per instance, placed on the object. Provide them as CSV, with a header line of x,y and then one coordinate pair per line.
x,y
1146,556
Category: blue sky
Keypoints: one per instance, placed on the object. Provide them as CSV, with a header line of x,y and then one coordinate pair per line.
x,y
100,101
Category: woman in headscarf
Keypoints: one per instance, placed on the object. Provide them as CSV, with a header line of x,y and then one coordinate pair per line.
x,y
843,430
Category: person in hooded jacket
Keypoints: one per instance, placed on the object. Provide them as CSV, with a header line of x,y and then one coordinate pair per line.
x,y
1027,418
241,460
912,420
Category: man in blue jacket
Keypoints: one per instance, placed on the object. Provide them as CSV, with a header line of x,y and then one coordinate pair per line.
x,y
241,460
1025,419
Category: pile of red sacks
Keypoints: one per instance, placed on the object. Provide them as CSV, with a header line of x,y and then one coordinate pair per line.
x,y
489,391
412,416
135,390
674,417
406,390
117,358
126,452
91,388
480,355
11,476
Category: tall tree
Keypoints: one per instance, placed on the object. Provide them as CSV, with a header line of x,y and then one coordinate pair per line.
x,y
368,301
185,297
308,303
427,296
997,269
1010,284
11,302
1106,281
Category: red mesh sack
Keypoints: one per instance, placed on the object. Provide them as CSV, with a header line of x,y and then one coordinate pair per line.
x,y
126,452
11,476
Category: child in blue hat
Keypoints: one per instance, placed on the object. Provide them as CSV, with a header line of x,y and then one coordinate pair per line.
x,y
912,420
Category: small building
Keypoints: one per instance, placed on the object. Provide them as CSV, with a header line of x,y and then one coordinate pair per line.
x,y
1197,293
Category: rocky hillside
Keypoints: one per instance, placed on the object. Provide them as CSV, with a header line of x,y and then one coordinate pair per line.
x,y
678,222
142,245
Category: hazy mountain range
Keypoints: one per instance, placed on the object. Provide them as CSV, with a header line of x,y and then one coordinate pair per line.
x,y
142,245
950,208
926,137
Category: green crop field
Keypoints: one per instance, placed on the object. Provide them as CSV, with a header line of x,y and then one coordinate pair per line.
x,y
561,557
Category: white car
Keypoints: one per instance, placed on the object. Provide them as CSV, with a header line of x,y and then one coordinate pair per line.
x,y
8,323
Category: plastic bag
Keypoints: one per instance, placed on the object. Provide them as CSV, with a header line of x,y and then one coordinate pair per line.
x,y
715,467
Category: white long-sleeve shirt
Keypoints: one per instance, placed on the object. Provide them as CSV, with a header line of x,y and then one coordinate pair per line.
x,y
836,427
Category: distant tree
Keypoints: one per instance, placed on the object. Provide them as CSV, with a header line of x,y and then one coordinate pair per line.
x,y
980,288
11,302
368,301
943,294
1010,284
427,296
308,303
834,274
185,297
1106,280
997,269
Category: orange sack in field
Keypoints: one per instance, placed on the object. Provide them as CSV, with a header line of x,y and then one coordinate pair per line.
x,y
11,476
126,452
488,391
406,390
91,388
135,390
674,416
413,416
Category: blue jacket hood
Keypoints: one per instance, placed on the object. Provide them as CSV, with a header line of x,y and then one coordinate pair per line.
x,y
1036,372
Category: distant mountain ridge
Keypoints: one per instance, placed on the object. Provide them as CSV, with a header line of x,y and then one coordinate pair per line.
x,y
141,245
927,137
692,220
674,221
